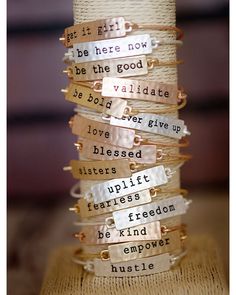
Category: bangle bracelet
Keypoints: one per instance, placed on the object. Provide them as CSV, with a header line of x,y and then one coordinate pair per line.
x,y
147,122
145,154
153,193
108,28
89,209
137,90
171,242
110,169
118,67
121,109
142,180
140,267
100,233
116,107
143,214
113,135
151,123
115,48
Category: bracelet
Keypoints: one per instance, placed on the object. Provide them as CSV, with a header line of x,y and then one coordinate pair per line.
x,y
170,242
140,215
152,192
151,123
109,169
114,48
119,108
137,89
113,135
99,233
117,67
108,28
89,209
144,154
140,267
116,107
139,181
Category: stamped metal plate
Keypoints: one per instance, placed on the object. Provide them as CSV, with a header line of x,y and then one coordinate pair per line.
x,y
85,97
143,214
88,98
89,209
97,170
152,123
142,90
122,67
136,250
116,188
139,267
101,132
100,234
99,151
95,30
112,48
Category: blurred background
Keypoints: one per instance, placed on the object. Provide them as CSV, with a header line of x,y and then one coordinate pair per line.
x,y
40,142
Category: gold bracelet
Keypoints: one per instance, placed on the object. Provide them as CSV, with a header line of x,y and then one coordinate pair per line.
x,y
117,67
113,135
108,28
116,107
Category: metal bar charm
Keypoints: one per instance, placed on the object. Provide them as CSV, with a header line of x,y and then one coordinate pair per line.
x,y
100,234
152,123
120,187
141,90
150,212
144,154
140,267
95,30
102,132
97,170
112,48
96,70
88,98
85,97
136,250
89,209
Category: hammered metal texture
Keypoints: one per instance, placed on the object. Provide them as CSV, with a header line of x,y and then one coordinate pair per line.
x,y
120,187
112,48
141,249
152,123
157,210
142,90
145,154
117,67
140,267
100,234
131,200
102,132
95,30
99,170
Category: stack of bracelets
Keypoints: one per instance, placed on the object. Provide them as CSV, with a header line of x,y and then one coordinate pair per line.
x,y
129,218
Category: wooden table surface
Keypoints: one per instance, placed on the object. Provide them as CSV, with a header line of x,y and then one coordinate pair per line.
x,y
35,229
